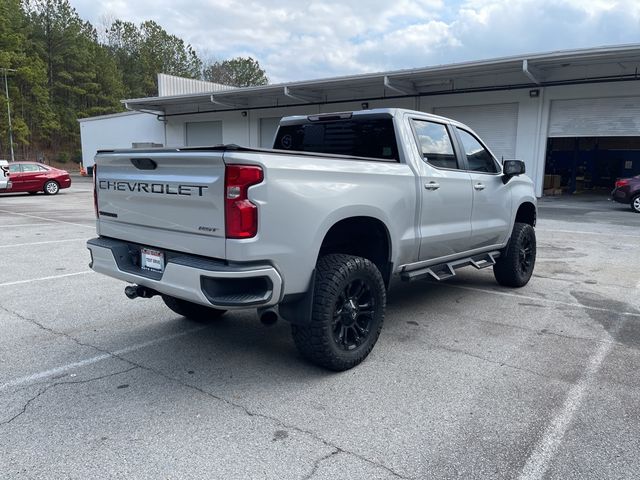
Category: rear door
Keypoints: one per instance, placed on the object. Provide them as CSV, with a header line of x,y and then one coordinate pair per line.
x,y
445,218
167,199
491,213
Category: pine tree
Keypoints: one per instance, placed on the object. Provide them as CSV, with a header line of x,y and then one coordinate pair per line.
x,y
236,72
32,117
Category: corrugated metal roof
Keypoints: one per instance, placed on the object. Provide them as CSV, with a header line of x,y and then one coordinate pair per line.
x,y
521,71
170,85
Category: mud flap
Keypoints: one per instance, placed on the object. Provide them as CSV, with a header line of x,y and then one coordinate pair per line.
x,y
297,310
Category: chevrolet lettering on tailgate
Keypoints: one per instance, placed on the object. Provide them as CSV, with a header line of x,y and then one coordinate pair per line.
x,y
145,187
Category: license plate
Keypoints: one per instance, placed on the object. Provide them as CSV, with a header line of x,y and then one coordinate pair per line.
x,y
152,260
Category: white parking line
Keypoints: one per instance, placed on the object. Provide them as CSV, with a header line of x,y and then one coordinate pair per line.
x,y
46,219
44,243
28,225
89,361
540,459
544,451
52,277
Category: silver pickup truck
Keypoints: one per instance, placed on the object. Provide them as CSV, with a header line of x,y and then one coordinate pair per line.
x,y
313,230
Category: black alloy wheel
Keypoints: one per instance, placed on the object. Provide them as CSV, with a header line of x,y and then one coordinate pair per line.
x,y
515,264
353,314
349,300
525,255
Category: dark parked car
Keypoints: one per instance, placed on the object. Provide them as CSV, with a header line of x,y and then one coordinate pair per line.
x,y
35,177
627,190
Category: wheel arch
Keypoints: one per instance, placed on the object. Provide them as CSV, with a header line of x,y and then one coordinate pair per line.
x,y
363,236
343,224
526,213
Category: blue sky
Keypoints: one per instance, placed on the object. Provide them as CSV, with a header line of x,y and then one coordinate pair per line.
x,y
299,40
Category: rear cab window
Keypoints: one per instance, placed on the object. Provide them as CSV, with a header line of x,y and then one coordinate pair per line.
x,y
371,137
435,144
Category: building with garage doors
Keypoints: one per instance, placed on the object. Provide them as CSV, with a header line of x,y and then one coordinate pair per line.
x,y
572,116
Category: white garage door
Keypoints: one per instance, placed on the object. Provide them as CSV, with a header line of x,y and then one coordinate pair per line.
x,y
203,134
496,124
597,117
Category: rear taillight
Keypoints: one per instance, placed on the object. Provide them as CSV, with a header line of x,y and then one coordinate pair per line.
x,y
622,183
241,216
95,191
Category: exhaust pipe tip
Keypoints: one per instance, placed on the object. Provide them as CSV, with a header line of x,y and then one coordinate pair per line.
x,y
269,317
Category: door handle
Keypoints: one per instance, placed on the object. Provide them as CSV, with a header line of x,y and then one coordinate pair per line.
x,y
479,186
432,186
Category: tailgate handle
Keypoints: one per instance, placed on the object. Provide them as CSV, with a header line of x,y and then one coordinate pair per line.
x,y
144,163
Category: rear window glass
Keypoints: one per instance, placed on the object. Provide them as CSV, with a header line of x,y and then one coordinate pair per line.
x,y
358,137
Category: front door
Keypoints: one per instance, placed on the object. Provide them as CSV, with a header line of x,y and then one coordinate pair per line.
x,y
33,177
491,214
445,223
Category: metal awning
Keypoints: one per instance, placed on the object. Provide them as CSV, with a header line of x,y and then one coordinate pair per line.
x,y
525,71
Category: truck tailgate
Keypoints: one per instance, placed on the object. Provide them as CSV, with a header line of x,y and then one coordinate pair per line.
x,y
166,199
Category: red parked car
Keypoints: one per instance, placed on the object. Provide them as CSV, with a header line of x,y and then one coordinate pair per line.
x,y
35,177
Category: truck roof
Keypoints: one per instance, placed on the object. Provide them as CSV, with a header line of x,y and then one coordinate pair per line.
x,y
374,112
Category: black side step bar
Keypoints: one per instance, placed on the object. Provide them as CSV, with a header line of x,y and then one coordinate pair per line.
x,y
446,270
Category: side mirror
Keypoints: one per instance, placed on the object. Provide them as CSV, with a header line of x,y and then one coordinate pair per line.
x,y
512,168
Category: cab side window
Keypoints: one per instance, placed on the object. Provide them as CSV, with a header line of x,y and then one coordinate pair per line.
x,y
15,168
478,158
435,144
28,167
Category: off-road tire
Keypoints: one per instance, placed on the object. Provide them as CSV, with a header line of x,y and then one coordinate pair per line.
x,y
192,311
515,265
51,188
336,274
635,203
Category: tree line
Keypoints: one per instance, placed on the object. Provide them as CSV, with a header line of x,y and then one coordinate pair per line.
x,y
60,67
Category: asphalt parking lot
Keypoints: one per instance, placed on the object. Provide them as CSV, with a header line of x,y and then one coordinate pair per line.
x,y
468,379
